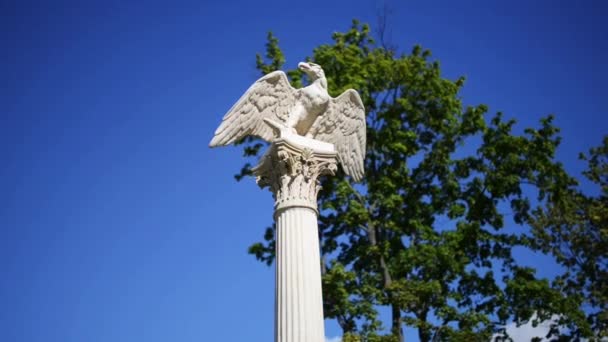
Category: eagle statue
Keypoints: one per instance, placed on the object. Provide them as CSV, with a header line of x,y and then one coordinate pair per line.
x,y
271,103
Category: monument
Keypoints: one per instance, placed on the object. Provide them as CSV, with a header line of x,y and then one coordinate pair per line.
x,y
310,133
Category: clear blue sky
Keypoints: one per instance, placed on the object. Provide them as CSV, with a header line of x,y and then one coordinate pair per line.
x,y
118,223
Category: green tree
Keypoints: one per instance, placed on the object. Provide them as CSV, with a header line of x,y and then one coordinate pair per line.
x,y
574,229
429,233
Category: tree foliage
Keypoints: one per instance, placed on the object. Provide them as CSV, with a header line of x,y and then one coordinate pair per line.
x,y
448,193
574,229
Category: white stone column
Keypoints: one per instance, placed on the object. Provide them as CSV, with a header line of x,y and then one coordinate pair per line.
x,y
290,169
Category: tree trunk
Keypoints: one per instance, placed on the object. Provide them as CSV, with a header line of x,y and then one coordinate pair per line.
x,y
396,323
424,333
386,277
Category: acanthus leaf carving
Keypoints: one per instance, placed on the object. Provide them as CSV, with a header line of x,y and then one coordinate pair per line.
x,y
292,174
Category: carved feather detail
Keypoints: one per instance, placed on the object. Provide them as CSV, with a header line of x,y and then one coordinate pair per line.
x,y
270,97
343,124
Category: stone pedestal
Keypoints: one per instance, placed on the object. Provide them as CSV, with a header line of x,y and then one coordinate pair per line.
x,y
291,169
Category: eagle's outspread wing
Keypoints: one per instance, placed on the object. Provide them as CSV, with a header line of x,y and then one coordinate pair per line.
x,y
270,97
343,124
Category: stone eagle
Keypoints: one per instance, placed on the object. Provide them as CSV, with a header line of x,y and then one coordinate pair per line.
x,y
271,102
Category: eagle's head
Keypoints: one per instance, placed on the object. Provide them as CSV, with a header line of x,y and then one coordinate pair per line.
x,y
312,70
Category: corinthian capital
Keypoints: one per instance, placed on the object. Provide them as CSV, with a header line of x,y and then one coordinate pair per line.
x,y
291,169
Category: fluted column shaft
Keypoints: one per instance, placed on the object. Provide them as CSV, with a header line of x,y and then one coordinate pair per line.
x,y
298,297
291,169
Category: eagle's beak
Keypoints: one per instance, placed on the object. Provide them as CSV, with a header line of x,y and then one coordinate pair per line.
x,y
303,66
